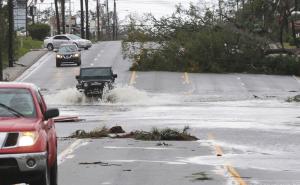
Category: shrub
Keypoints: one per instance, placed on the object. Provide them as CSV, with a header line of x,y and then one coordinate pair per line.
x,y
39,31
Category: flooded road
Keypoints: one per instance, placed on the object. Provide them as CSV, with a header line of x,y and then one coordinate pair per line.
x,y
248,133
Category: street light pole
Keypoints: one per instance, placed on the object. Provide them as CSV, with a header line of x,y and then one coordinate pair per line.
x,y
10,33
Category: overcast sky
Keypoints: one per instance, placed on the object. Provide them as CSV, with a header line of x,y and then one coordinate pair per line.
x,y
158,8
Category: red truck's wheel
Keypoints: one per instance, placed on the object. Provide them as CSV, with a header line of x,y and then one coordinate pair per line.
x,y
53,174
44,177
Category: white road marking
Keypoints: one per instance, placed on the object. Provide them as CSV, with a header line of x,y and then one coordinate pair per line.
x,y
69,151
296,78
144,148
147,161
33,68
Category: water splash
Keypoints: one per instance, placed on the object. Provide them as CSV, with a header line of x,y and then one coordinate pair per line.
x,y
120,95
66,97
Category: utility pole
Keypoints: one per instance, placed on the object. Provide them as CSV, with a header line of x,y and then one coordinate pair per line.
x,y
70,17
10,33
82,19
32,13
98,20
1,68
221,2
57,16
107,29
114,21
87,19
63,16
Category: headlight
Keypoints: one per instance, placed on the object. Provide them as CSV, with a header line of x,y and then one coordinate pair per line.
x,y
76,55
59,56
27,138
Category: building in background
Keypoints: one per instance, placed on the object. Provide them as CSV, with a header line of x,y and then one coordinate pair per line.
x,y
75,28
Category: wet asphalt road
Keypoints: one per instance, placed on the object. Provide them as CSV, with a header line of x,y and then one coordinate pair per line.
x,y
242,117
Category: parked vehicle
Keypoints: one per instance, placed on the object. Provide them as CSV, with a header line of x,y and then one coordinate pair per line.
x,y
56,41
68,53
93,80
28,144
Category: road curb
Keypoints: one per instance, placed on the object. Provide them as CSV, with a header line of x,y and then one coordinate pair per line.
x,y
11,74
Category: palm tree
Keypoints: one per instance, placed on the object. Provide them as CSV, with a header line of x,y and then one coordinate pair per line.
x,y
57,16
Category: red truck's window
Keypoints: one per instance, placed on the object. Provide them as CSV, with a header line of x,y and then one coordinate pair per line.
x,y
15,101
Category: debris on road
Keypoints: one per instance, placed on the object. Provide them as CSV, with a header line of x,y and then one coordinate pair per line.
x,y
167,134
127,170
99,163
97,133
67,119
163,144
116,130
201,176
294,99
162,135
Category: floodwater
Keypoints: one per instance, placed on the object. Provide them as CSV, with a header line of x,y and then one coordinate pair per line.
x,y
254,133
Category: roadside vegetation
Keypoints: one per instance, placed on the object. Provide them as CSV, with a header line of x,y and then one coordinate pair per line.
x,y
155,134
21,44
256,36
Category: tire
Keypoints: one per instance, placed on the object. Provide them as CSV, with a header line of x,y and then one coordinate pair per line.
x,y
50,47
58,64
44,178
53,174
79,63
86,48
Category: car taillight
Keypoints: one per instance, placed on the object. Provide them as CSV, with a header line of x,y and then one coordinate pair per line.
x,y
11,140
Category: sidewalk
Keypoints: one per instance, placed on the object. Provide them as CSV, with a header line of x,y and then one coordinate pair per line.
x,y
26,61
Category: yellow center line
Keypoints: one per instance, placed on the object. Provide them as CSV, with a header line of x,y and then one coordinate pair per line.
x,y
218,149
230,169
132,78
187,78
235,175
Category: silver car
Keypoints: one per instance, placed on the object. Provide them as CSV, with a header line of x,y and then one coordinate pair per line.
x,y
57,40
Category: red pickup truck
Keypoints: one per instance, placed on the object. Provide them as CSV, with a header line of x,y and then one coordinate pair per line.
x,y
28,144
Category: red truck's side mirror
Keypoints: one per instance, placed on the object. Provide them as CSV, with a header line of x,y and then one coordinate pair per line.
x,y
51,113
77,77
115,76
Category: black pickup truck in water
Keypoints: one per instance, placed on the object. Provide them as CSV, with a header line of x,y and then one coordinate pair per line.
x,y
92,81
